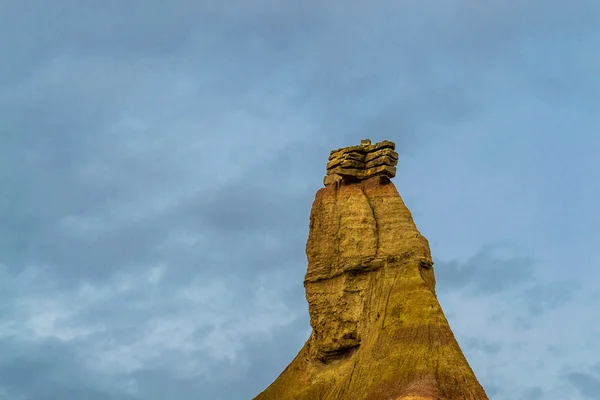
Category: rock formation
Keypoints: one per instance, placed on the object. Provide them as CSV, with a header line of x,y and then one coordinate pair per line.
x,y
378,331
362,162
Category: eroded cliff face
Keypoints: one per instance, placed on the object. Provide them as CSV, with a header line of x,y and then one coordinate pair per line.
x,y
379,332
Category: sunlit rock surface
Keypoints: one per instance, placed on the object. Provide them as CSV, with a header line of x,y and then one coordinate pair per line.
x,y
379,332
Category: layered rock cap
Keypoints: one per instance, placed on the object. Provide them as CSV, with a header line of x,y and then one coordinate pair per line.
x,y
378,330
362,162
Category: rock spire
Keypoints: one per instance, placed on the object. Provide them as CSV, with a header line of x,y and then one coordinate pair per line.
x,y
378,331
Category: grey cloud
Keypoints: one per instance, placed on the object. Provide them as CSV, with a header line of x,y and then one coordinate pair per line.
x,y
49,370
146,29
318,69
80,169
534,394
587,384
487,272
237,216
490,348
242,206
506,271
159,384
111,115
89,179
258,364
144,339
544,297
416,96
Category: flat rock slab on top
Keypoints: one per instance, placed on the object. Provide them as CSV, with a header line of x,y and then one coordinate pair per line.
x,y
362,162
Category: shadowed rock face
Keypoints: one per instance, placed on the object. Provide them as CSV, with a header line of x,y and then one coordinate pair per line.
x,y
378,329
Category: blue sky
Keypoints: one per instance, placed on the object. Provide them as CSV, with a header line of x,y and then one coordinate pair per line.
x,y
158,161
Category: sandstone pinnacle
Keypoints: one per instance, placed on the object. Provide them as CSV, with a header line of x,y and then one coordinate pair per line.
x,y
378,330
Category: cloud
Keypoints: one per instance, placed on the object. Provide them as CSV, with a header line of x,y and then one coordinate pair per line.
x,y
52,369
493,269
158,162
132,184
588,384
124,337
507,315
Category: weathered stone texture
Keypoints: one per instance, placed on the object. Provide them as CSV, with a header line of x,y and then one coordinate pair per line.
x,y
378,331
362,162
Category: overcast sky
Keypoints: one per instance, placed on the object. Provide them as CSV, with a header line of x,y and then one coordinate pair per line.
x,y
158,162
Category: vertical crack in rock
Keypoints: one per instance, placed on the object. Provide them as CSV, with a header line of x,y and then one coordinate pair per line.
x,y
387,300
338,217
374,219
378,330
350,380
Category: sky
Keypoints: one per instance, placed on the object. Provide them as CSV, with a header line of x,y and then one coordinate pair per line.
x,y
158,162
